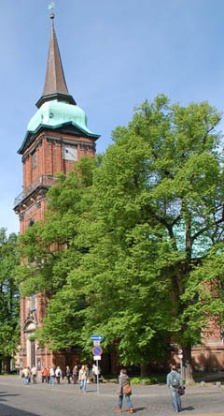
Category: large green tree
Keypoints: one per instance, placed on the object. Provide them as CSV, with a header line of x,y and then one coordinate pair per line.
x,y
159,207
143,226
9,297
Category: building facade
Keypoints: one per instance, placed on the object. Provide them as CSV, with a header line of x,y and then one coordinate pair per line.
x,y
57,136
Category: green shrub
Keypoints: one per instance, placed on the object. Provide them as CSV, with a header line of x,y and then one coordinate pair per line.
x,y
148,380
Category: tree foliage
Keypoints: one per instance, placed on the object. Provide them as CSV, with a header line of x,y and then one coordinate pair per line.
x,y
9,295
127,246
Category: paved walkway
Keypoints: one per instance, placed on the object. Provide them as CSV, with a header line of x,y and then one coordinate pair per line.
x,y
66,400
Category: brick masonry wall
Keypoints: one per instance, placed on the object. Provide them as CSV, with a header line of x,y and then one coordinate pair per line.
x,y
48,160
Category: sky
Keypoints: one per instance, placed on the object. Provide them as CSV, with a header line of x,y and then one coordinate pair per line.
x,y
115,55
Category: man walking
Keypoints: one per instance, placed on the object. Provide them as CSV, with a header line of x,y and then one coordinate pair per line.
x,y
174,381
34,374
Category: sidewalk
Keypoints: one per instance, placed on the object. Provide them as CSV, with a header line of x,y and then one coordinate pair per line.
x,y
111,388
41,399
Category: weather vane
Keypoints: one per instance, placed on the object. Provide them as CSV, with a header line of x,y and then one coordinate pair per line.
x,y
51,7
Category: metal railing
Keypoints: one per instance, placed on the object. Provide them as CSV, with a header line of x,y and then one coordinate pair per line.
x,y
44,180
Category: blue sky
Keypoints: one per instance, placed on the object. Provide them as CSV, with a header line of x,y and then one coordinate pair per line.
x,y
115,55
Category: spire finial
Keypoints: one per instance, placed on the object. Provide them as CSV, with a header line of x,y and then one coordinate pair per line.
x,y
51,7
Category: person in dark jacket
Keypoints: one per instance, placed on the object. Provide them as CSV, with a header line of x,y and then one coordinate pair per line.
x,y
68,374
75,374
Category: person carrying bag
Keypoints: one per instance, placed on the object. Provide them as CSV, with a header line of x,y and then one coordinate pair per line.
x,y
124,390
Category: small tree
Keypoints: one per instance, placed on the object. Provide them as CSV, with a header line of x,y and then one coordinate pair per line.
x,y
9,297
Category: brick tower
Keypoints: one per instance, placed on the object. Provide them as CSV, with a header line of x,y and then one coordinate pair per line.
x,y
57,136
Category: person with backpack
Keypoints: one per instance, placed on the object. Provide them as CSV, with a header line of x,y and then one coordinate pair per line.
x,y
174,381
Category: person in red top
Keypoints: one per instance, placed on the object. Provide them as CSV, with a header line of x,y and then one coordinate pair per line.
x,y
45,375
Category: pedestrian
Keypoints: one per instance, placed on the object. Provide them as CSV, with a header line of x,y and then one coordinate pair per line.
x,y
52,376
87,373
26,375
96,372
68,374
58,374
45,375
48,375
124,383
29,369
83,378
75,374
42,375
174,381
34,374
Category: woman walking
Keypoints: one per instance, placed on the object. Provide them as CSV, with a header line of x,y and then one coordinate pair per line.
x,y
83,378
124,390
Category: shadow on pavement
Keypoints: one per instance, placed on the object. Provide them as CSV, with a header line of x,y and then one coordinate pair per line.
x,y
188,408
6,410
138,409
11,411
6,394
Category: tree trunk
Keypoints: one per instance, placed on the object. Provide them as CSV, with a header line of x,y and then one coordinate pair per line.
x,y
143,369
7,362
187,366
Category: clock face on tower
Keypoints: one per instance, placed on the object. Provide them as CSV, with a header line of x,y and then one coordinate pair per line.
x,y
69,153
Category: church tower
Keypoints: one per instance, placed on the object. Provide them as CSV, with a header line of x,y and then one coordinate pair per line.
x,y
57,136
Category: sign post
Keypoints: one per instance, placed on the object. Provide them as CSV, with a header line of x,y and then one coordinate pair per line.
x,y
97,351
180,356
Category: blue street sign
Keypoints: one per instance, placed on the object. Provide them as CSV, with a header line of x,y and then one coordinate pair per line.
x,y
96,338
